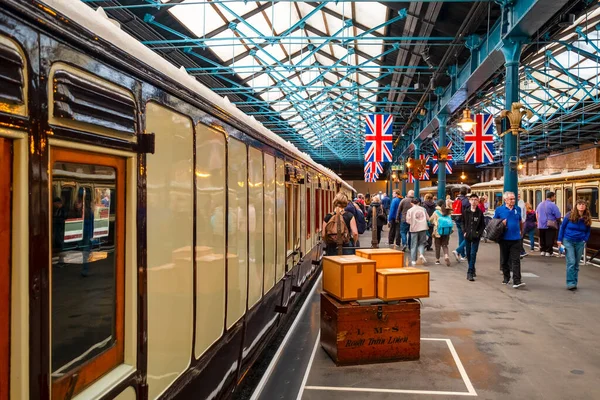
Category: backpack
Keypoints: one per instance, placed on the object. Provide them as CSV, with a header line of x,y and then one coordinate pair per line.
x,y
444,224
336,225
381,218
361,224
494,230
457,206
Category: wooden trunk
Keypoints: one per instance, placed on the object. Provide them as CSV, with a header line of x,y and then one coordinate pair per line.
x,y
385,258
349,277
362,334
402,283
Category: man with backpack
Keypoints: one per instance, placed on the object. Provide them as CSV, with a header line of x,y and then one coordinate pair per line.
x,y
394,220
339,228
458,205
403,208
359,216
472,226
442,229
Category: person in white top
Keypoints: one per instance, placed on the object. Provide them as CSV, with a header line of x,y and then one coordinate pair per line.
x,y
417,217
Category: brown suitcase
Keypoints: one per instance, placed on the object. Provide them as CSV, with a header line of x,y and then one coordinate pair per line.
x,y
361,334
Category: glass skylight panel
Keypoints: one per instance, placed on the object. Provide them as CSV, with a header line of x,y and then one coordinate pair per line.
x,y
237,7
341,53
371,14
261,82
563,58
587,69
198,18
283,15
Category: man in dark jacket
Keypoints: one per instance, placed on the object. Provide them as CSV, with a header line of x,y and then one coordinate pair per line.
x,y
472,227
459,253
394,220
429,206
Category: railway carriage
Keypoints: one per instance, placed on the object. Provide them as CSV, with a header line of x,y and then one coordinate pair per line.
x,y
568,186
153,238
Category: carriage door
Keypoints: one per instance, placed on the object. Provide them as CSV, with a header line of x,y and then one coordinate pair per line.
x,y
5,243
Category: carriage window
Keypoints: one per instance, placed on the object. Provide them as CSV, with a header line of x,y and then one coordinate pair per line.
x,y
559,199
317,209
270,241
498,199
568,200
280,213
530,198
308,215
289,218
591,196
87,267
538,198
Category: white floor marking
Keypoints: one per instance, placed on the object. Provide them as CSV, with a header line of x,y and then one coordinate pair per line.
x,y
310,362
471,390
275,359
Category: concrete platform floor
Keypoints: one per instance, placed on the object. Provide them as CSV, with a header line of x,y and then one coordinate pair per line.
x,y
537,342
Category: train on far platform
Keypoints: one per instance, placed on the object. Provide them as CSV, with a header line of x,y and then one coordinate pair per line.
x,y
568,187
153,238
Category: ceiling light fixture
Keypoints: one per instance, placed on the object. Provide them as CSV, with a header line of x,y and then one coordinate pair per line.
x,y
466,123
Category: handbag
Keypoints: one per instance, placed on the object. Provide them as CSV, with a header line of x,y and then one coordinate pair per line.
x,y
550,223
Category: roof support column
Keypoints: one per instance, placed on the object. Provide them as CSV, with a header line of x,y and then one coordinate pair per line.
x,y
403,187
441,190
512,53
417,153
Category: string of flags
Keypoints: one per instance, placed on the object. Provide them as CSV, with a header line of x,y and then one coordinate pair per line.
x,y
479,146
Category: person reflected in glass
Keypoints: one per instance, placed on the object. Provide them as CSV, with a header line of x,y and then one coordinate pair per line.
x,y
88,233
59,215
573,235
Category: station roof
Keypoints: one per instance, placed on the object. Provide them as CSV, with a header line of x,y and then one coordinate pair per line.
x,y
310,71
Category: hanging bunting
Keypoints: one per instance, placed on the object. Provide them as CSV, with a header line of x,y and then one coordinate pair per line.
x,y
371,177
373,167
479,142
378,138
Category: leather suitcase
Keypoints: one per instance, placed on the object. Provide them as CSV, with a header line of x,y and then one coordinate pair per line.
x,y
402,283
362,334
349,277
385,258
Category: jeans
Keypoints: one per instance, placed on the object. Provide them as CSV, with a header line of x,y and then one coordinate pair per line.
x,y
418,241
573,256
531,234
461,240
404,230
394,235
510,259
472,247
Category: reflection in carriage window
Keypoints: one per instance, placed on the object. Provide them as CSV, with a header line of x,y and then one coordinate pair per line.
x,y
568,200
591,196
83,264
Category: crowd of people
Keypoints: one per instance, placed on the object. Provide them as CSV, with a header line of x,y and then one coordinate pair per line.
x,y
420,225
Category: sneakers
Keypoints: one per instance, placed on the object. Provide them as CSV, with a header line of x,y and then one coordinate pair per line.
x,y
437,262
543,254
548,254
470,277
474,273
505,282
572,288
456,255
524,255
413,263
447,259
518,285
422,259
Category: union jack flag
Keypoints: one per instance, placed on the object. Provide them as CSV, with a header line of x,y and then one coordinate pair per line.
x,y
479,144
373,167
425,176
378,138
435,158
411,178
371,177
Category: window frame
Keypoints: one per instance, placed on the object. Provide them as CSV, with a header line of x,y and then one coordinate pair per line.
x,y
103,363
592,188
6,182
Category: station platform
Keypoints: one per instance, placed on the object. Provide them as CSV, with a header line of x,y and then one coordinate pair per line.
x,y
479,339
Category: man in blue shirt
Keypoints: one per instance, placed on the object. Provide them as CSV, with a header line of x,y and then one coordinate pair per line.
x,y
394,220
510,243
